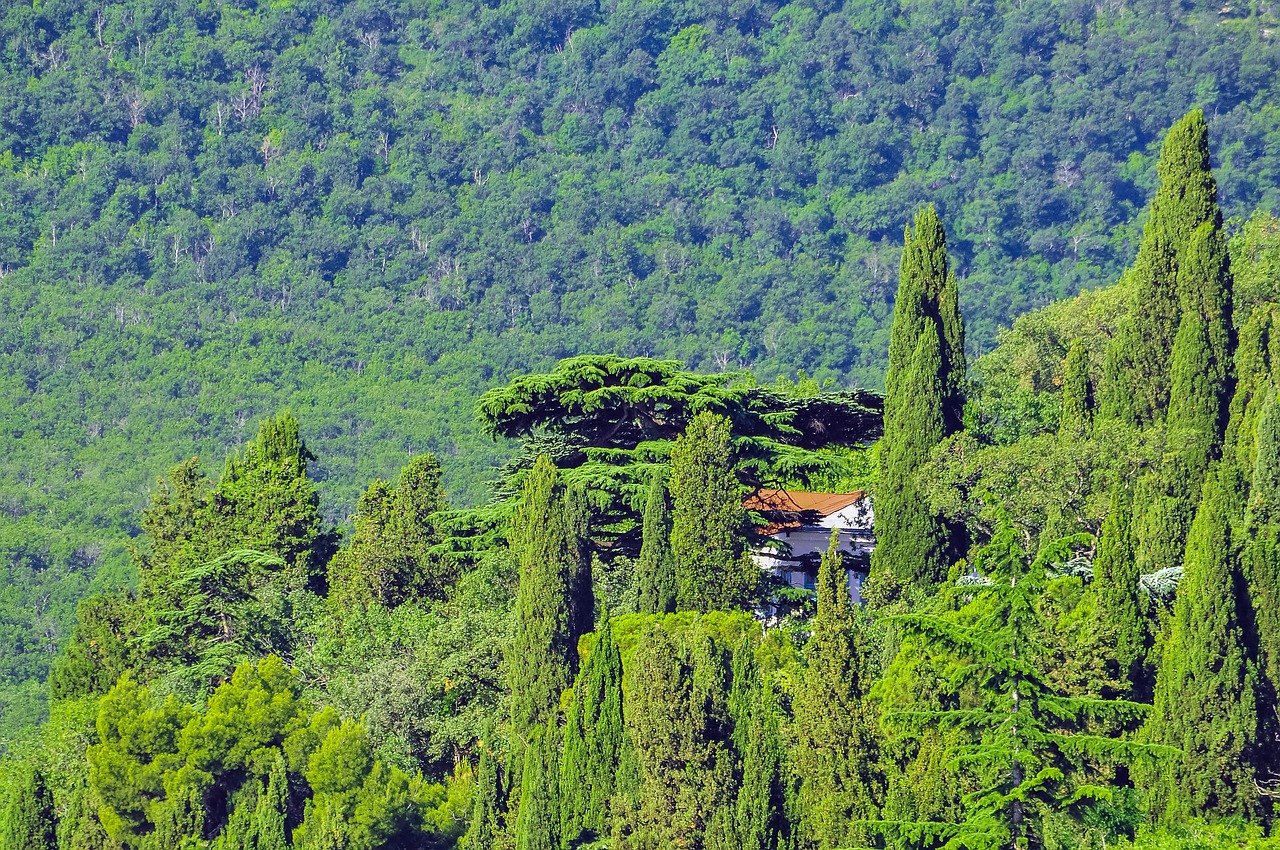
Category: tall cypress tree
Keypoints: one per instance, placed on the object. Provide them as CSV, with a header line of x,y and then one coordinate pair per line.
x,y
1115,580
759,819
268,825
538,821
1205,703
1187,198
836,734
596,742
656,569
485,825
554,604
1077,394
29,822
1261,563
708,521
911,539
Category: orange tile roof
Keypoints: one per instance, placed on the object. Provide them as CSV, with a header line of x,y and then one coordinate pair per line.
x,y
796,508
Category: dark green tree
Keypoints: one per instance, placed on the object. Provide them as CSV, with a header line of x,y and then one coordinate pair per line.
x,y
759,819
1077,392
837,742
29,820
1115,580
656,569
1205,697
554,604
1140,377
911,539
708,522
538,821
485,822
596,743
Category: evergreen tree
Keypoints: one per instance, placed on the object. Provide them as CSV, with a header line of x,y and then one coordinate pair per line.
x,y
656,569
837,748
554,604
1115,580
1201,359
759,819
1187,198
708,522
485,826
538,821
911,540
1077,395
268,826
1205,689
29,822
596,743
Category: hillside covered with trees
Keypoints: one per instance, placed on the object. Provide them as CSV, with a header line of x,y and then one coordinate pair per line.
x,y
1070,636
372,213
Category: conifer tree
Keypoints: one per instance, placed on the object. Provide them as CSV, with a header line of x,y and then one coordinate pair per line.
x,y
911,540
656,569
708,522
484,826
29,821
538,820
1140,354
1077,394
268,825
1261,564
596,742
837,743
554,604
1205,689
759,819
1115,580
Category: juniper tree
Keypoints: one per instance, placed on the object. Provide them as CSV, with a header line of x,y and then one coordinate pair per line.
x,y
29,820
1205,699
836,754
1140,379
596,743
554,604
708,522
656,569
1023,749
1115,581
1077,394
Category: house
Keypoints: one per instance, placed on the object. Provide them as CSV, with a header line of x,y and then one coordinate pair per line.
x,y
798,531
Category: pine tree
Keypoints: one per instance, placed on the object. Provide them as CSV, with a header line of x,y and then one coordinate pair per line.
x,y
554,604
1187,198
911,540
836,749
29,822
485,826
1205,689
1115,580
596,742
708,522
538,820
656,569
1077,395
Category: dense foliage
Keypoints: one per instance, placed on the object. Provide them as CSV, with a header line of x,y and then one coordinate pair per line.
x,y
373,212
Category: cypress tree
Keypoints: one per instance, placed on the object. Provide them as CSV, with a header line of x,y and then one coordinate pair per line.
x,y
554,605
656,569
596,743
538,821
1077,395
485,826
911,540
1115,580
759,819
1205,690
29,822
708,522
1187,198
269,815
1261,561
836,749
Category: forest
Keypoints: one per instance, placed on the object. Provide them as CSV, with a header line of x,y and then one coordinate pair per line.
x,y
1070,636
371,213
